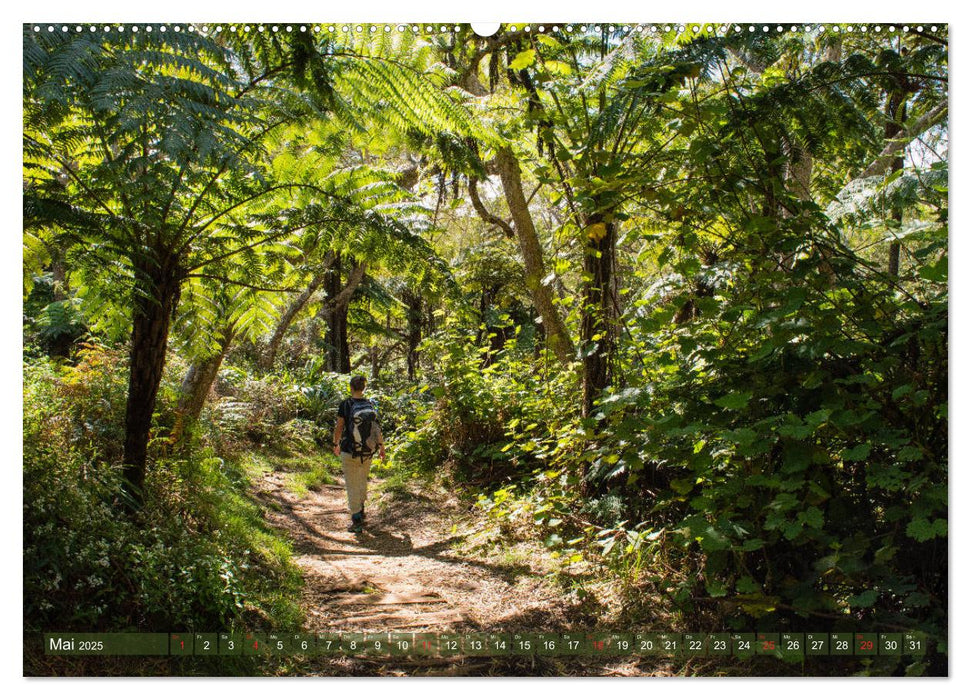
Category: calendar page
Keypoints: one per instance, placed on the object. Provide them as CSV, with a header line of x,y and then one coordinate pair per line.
x,y
357,348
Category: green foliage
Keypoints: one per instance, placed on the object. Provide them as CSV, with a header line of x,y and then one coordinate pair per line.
x,y
198,556
255,409
493,413
798,442
310,478
772,446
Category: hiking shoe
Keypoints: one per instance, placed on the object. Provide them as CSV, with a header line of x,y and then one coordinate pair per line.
x,y
357,527
357,522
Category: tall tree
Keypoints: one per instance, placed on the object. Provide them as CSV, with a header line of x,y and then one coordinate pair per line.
x,y
537,279
162,138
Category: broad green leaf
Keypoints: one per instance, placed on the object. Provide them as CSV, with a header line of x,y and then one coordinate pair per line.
x,y
866,599
855,454
523,59
734,400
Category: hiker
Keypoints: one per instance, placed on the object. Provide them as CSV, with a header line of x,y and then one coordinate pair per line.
x,y
356,437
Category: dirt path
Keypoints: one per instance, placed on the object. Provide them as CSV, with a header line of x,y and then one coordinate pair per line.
x,y
402,573
416,568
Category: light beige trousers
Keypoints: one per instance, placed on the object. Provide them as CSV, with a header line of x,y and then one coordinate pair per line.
x,y
355,480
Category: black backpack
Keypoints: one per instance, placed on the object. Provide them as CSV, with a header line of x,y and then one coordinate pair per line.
x,y
364,429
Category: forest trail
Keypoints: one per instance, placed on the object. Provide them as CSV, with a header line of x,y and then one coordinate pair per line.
x,y
396,575
402,572
413,570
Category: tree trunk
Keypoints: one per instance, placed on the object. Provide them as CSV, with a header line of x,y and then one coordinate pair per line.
x,y
286,320
60,345
59,288
556,333
896,116
338,352
334,313
598,331
375,362
414,317
485,330
156,296
197,383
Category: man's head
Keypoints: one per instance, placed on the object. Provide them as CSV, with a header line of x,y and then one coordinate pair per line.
x,y
358,383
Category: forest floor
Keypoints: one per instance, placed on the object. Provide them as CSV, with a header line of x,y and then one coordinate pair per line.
x,y
426,563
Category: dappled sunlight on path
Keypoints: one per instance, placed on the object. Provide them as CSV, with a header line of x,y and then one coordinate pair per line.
x,y
401,573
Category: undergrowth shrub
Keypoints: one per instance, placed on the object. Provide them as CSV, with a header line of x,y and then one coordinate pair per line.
x,y
252,409
198,555
495,416
801,468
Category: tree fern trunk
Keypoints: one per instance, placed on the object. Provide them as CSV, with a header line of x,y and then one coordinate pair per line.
x,y
598,325
332,317
334,312
414,314
60,344
155,299
375,357
339,350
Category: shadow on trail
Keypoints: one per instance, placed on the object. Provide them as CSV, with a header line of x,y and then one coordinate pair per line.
x,y
315,535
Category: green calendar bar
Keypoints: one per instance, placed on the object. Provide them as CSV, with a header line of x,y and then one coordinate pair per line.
x,y
865,644
426,643
205,644
720,644
329,643
450,644
817,644
105,644
646,644
572,643
743,645
767,644
891,644
181,644
623,644
402,643
476,644
377,643
352,643
788,646
499,645
550,644
915,643
230,644
695,644
523,644
792,646
277,644
841,644
670,644
302,644
254,644
599,644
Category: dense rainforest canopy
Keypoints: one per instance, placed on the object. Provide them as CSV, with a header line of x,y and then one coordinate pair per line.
x,y
670,302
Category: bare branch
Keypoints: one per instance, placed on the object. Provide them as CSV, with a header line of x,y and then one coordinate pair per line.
x,y
484,213
883,161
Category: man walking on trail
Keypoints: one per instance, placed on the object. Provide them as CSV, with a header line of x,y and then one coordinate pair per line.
x,y
357,436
